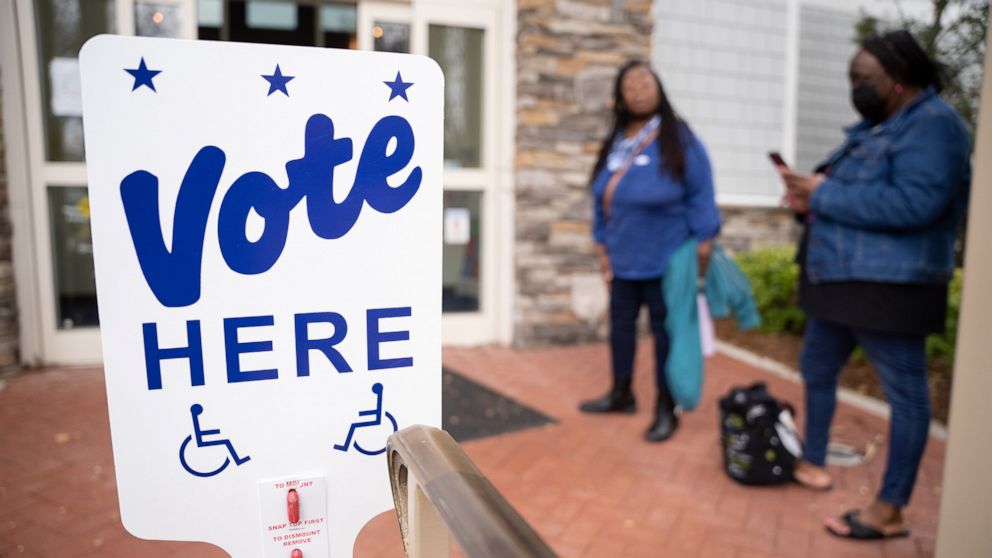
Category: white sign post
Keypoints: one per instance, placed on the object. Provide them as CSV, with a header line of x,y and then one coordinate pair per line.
x,y
267,239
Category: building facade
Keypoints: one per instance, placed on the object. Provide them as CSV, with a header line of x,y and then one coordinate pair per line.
x,y
527,100
750,76
826,44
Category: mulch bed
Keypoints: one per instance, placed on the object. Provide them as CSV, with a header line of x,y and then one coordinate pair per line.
x,y
858,376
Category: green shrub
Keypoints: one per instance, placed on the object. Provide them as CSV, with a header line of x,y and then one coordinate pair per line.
x,y
774,278
941,345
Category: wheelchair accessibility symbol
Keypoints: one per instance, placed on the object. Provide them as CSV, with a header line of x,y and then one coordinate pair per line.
x,y
195,411
377,415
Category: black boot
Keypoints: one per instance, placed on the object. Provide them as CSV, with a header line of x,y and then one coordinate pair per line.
x,y
665,422
619,400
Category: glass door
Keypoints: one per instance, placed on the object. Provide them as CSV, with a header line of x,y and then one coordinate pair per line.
x,y
461,38
385,27
283,22
51,33
459,48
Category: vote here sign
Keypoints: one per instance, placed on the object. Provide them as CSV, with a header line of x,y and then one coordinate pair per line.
x,y
267,239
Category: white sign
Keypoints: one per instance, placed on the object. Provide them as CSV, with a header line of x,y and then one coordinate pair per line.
x,y
268,264
457,225
63,75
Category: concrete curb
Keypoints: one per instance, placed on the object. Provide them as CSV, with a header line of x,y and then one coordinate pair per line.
x,y
863,402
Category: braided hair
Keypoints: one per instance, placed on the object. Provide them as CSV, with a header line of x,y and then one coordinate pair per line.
x,y
904,59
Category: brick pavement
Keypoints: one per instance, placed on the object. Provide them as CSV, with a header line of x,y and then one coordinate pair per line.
x,y
588,484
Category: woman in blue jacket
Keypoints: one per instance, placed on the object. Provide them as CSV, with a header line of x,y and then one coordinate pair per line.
x,y
653,190
882,215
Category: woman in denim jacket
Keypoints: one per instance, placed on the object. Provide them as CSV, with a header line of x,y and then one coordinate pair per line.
x,y
881,214
653,190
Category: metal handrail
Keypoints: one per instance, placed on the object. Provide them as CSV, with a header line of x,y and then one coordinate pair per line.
x,y
438,490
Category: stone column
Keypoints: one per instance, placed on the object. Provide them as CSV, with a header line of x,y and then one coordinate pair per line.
x,y
9,358
568,53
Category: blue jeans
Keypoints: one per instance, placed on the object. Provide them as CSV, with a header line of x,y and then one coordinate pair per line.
x,y
626,299
901,365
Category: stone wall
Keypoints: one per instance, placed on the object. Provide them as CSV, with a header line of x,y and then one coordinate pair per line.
x,y
9,358
749,228
568,53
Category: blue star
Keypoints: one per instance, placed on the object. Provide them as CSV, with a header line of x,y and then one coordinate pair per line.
x,y
143,76
398,87
277,82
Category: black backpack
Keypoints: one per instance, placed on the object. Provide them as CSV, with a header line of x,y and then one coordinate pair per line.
x,y
759,438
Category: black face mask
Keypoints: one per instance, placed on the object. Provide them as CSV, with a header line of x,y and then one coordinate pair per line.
x,y
868,103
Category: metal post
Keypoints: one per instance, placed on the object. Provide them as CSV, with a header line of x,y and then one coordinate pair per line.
x,y
438,492
428,535
966,503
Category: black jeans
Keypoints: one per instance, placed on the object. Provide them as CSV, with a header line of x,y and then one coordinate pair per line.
x,y
626,299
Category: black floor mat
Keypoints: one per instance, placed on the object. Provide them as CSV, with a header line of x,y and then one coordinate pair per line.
x,y
471,411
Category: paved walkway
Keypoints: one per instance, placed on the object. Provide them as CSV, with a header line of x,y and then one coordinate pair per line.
x,y
589,485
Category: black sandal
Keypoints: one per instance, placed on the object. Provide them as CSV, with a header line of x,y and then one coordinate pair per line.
x,y
862,532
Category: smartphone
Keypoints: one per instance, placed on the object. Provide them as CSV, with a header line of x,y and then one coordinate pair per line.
x,y
777,159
